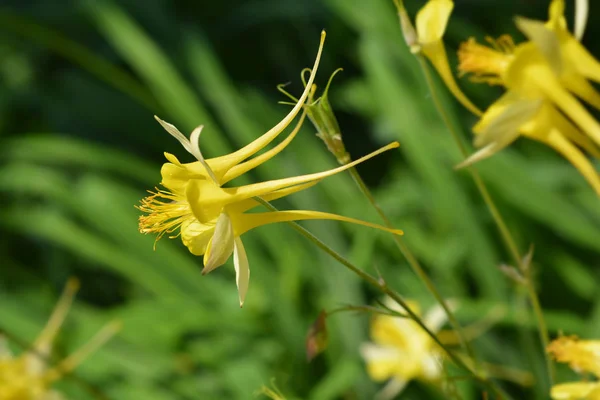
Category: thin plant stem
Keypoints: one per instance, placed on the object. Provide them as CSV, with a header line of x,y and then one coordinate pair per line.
x,y
498,219
414,263
383,287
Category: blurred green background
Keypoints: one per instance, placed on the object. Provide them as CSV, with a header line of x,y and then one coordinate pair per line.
x,y
79,84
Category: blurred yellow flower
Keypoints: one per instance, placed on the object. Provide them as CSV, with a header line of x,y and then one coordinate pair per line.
x,y
544,77
28,376
211,218
583,356
431,23
401,350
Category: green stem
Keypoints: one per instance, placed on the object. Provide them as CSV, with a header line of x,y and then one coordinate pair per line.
x,y
498,219
382,286
414,264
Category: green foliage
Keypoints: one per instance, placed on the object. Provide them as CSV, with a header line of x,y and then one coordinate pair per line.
x,y
79,147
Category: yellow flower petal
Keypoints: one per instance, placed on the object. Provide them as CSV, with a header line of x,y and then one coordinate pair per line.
x,y
196,236
191,145
248,204
381,361
509,115
581,17
245,222
436,54
501,125
568,104
246,166
432,20
581,87
581,355
576,391
259,189
576,157
585,62
221,245
252,148
242,269
545,40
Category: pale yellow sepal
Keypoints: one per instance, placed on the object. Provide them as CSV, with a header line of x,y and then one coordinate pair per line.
x,y
581,17
432,20
242,269
501,125
221,245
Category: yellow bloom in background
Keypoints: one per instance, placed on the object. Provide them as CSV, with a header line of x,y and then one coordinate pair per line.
x,y
29,376
401,350
211,218
583,356
544,78
431,23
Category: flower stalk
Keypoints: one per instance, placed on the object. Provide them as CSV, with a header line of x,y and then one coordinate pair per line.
x,y
507,237
380,284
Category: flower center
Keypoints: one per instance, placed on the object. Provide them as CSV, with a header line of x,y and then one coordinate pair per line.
x,y
165,211
486,63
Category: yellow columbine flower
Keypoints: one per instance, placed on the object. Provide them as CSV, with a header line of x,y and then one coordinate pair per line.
x,y
211,218
543,78
583,356
401,350
28,376
431,23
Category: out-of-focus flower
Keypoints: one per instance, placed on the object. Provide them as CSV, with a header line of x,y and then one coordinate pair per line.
x,y
543,77
583,356
401,350
30,376
431,23
211,218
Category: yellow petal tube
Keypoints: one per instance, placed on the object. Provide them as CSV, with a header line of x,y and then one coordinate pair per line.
x,y
244,222
570,46
248,204
240,155
576,157
246,166
567,103
436,54
231,195
242,269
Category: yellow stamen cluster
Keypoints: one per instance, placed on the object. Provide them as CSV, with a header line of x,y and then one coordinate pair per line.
x,y
165,212
485,62
581,355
